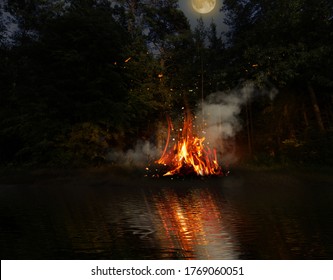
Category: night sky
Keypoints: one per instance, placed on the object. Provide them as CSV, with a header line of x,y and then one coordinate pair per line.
x,y
193,16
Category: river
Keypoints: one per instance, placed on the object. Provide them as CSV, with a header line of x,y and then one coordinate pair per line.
x,y
247,215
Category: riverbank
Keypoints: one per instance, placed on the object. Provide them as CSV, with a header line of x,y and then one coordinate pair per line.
x,y
23,175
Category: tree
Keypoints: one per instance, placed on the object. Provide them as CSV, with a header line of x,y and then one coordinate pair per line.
x,y
69,76
216,60
287,44
84,77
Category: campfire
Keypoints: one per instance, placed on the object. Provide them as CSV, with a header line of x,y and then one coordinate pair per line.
x,y
189,155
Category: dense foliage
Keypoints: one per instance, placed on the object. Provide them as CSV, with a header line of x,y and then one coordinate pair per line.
x,y
82,77
288,44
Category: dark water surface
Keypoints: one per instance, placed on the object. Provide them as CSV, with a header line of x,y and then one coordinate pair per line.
x,y
247,215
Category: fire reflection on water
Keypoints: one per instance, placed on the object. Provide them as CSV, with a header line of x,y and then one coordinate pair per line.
x,y
193,223
271,216
189,222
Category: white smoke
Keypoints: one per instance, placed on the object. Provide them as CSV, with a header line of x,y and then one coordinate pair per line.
x,y
218,120
219,117
143,153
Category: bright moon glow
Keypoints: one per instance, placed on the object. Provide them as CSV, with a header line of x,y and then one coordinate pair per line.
x,y
203,6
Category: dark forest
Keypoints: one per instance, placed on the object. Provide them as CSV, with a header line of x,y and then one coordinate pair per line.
x,y
82,78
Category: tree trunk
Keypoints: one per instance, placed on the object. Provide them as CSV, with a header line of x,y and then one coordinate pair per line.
x,y
305,116
316,108
249,128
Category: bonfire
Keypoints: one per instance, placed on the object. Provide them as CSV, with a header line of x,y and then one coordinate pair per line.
x,y
189,155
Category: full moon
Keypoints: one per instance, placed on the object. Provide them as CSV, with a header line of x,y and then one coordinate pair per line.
x,y
203,6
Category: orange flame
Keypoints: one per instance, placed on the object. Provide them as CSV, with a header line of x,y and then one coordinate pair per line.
x,y
189,154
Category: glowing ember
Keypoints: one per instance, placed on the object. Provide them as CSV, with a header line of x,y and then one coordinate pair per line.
x,y
189,155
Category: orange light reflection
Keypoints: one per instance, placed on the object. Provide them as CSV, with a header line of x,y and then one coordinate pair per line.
x,y
194,223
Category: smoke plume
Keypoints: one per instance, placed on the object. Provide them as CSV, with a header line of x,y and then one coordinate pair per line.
x,y
139,156
219,117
